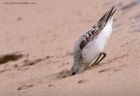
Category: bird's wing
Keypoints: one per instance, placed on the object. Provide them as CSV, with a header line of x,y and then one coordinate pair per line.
x,y
88,37
102,22
96,29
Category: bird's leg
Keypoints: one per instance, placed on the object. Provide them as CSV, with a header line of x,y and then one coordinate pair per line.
x,y
98,60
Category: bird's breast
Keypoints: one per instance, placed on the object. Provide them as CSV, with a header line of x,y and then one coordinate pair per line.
x,y
92,49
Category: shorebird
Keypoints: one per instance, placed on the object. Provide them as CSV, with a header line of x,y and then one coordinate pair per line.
x,y
91,44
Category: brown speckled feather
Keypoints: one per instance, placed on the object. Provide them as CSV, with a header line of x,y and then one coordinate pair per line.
x,y
96,29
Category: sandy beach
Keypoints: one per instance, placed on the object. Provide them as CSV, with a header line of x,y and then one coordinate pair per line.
x,y
37,41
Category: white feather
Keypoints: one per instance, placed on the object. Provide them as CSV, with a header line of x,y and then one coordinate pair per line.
x,y
92,50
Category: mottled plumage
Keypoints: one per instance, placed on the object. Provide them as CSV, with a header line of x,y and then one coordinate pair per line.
x,y
95,40
96,29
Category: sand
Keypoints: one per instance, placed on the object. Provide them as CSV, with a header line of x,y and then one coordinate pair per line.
x,y
36,47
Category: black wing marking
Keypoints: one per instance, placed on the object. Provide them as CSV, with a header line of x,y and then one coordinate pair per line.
x,y
89,36
102,22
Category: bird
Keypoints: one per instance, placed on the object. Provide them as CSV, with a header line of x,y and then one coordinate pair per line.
x,y
90,45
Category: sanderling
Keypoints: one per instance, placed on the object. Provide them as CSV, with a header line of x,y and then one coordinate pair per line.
x,y
90,45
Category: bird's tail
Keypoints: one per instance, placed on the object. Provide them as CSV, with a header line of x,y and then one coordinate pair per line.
x,y
102,22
